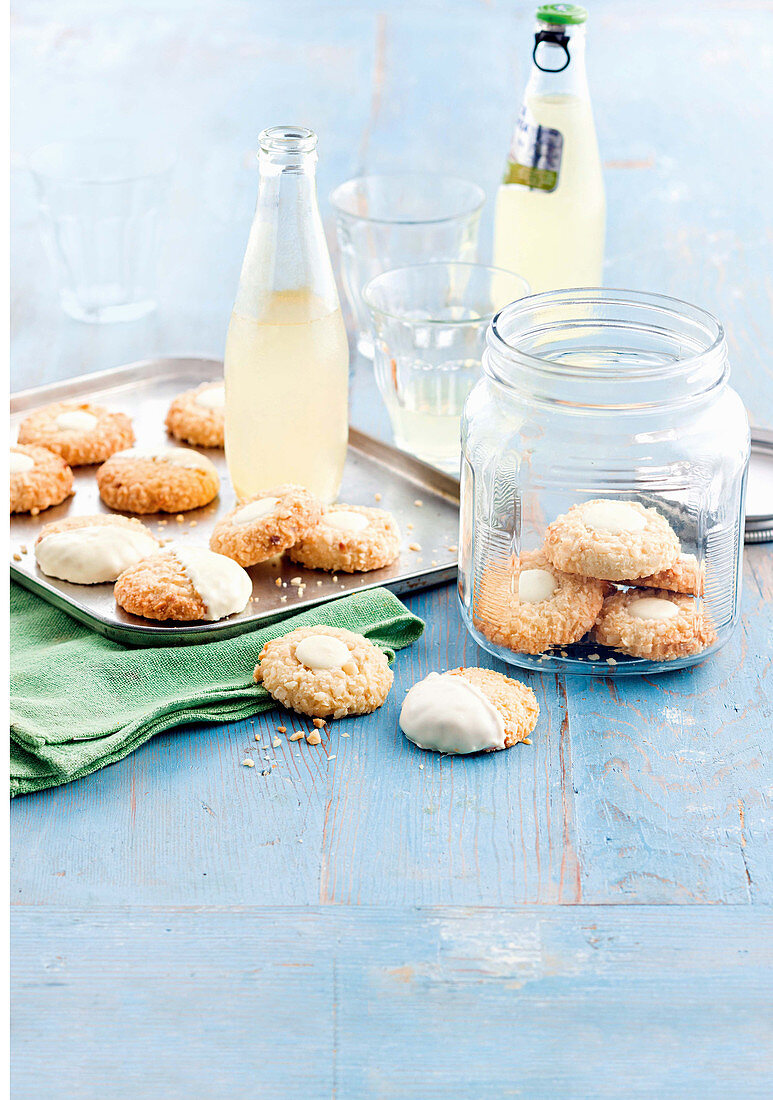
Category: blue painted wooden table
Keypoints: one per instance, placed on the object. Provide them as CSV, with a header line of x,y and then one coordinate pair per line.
x,y
588,916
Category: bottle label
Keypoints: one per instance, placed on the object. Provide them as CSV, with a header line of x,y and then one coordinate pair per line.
x,y
535,155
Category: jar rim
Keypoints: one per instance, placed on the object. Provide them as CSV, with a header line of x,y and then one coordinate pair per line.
x,y
663,305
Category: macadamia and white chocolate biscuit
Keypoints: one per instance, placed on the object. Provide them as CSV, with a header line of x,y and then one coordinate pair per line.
x,y
198,416
530,606
186,584
654,624
174,479
468,710
685,575
92,549
613,540
349,538
268,524
80,433
39,478
325,672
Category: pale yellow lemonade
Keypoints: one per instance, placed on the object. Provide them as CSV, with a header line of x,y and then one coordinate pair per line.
x,y
555,239
286,377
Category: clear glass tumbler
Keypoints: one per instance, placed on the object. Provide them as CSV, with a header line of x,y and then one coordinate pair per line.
x,y
100,205
429,324
388,221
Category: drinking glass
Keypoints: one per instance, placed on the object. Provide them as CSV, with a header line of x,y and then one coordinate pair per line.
x,y
100,206
388,221
429,324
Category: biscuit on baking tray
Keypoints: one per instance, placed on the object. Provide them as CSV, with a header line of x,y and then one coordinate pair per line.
x,y
198,416
349,538
92,549
324,672
81,433
39,478
173,479
267,524
185,584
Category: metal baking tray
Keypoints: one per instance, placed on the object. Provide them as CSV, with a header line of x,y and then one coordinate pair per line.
x,y
424,501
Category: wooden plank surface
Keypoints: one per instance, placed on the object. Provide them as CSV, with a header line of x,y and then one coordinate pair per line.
x,y
635,795
421,1004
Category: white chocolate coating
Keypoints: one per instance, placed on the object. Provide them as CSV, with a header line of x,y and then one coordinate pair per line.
x,y
652,609
93,555
449,714
256,509
20,463
177,456
212,398
320,651
77,420
613,517
224,587
346,521
536,585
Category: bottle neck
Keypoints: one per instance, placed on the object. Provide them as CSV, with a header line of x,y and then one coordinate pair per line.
x,y
558,61
287,251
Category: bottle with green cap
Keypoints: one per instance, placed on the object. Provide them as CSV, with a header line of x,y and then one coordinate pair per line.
x,y
551,213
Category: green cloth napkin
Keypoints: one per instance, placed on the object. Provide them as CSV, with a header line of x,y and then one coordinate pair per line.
x,y
80,701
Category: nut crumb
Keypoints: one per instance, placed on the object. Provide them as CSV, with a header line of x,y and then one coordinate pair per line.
x,y
419,503
276,743
453,549
409,526
414,546
344,734
335,578
296,580
611,661
594,657
278,582
433,562
421,767
319,722
313,738
194,523
377,496
17,557
248,763
266,771
281,729
296,736
331,757
23,549
257,737
180,518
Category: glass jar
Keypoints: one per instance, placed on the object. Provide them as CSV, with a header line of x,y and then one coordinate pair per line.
x,y
613,395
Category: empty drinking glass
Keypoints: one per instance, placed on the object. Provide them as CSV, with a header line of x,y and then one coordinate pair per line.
x,y
100,206
388,221
429,324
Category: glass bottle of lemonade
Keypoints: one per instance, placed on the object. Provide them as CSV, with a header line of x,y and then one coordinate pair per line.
x,y
286,356
551,211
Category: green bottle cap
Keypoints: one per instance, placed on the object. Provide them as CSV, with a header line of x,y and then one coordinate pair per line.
x,y
562,13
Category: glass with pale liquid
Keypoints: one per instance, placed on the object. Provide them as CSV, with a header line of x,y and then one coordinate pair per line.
x,y
429,326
